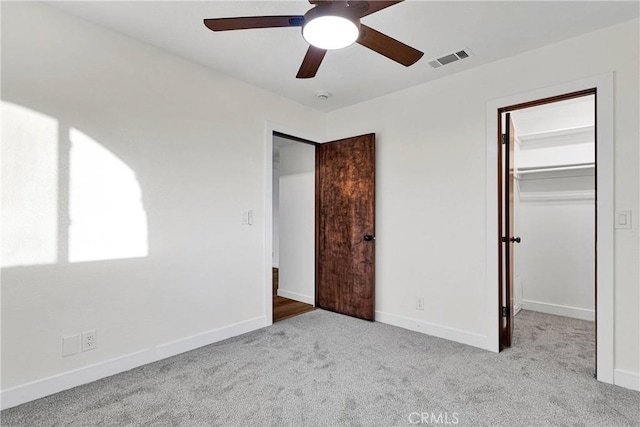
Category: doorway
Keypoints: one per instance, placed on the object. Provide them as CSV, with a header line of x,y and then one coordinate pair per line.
x,y
343,219
604,86
548,219
293,219
542,158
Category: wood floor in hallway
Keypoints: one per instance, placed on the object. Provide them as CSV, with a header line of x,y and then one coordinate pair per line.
x,y
283,308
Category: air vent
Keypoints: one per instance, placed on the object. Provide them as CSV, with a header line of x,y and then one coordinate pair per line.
x,y
448,59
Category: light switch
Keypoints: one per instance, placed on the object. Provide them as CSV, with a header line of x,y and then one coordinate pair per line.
x,y
246,217
623,219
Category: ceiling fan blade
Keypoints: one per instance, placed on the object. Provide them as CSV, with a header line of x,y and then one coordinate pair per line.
x,y
248,22
311,63
365,8
387,46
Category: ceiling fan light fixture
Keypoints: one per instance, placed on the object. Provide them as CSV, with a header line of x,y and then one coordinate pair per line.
x,y
329,24
330,32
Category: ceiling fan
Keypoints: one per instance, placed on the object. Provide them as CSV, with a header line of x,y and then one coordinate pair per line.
x,y
330,24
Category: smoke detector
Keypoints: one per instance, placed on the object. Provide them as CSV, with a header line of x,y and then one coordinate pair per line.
x,y
323,95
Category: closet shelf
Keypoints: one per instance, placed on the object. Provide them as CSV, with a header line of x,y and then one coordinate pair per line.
x,y
556,171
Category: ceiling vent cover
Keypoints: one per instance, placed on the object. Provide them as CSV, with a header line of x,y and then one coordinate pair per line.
x,y
448,59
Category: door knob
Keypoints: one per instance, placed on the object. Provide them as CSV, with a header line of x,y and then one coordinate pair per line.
x,y
368,237
515,239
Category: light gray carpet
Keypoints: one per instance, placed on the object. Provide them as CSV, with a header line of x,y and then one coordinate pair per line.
x,y
323,369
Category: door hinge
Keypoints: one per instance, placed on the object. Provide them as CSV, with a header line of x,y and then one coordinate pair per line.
x,y
505,311
504,138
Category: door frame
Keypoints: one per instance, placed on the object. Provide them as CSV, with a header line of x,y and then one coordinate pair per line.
x,y
267,277
506,135
604,85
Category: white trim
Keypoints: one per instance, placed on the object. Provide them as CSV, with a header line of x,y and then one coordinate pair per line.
x,y
604,208
296,296
559,310
440,331
268,224
626,379
269,128
56,383
557,196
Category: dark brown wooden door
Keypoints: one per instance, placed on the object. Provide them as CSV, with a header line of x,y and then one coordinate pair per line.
x,y
507,232
345,226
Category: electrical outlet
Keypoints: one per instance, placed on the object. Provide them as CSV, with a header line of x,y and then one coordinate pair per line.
x,y
89,340
419,303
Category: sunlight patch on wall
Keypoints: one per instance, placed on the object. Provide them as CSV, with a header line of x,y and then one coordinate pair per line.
x,y
29,187
108,220
104,203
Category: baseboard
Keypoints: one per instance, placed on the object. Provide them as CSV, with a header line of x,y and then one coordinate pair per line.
x,y
440,331
559,310
517,308
296,296
626,379
44,387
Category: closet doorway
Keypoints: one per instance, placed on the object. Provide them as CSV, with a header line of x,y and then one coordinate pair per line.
x,y
548,228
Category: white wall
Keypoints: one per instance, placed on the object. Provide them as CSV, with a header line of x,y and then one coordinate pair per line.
x,y
557,253
297,223
431,176
518,260
557,155
194,140
573,114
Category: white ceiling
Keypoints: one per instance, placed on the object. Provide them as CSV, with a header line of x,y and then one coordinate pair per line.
x,y
270,58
